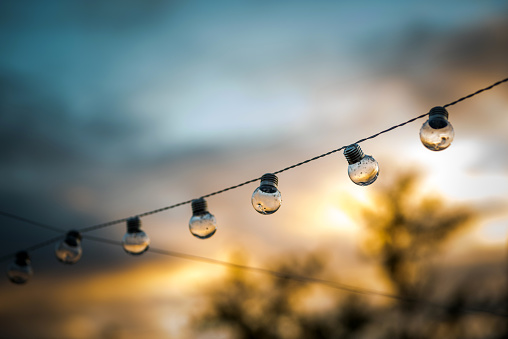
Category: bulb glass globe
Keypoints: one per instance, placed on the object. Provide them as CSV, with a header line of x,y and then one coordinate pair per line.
x,y
20,270
69,251
135,241
437,134
363,170
202,224
267,199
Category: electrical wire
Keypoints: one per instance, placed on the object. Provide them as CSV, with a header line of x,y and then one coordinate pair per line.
x,y
303,279
331,284
272,273
33,247
29,221
118,221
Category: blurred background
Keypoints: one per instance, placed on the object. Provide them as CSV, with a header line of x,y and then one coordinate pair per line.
x,y
112,108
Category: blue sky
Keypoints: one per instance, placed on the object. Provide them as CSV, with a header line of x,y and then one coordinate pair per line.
x,y
108,109
204,70
99,96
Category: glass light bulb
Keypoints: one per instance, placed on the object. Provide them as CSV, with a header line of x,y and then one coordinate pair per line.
x,y
363,169
69,250
437,133
202,224
20,270
135,241
267,199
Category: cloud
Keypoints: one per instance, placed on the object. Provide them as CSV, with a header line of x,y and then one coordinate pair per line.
x,y
425,49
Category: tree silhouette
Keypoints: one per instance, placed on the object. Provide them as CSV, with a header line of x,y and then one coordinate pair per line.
x,y
405,231
269,308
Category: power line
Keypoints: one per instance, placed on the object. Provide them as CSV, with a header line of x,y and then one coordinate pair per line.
x,y
475,93
34,223
118,221
29,221
114,222
33,247
272,273
303,279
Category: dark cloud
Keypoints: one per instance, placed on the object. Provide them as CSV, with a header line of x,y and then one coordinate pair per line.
x,y
33,125
46,149
38,128
425,48
53,154
478,50
99,14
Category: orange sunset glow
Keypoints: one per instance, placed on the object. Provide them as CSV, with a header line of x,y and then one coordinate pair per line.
x,y
113,109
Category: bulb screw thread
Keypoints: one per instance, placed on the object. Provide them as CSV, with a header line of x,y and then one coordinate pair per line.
x,y
438,111
22,258
353,153
133,225
199,206
269,179
72,238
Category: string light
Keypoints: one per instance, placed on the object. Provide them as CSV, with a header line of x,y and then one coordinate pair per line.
x,y
202,224
20,270
437,133
162,209
363,169
69,250
267,199
135,241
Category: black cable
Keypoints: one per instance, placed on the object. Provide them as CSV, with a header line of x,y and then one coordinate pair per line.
x,y
303,279
114,222
33,247
28,221
280,275
475,93
35,223
118,221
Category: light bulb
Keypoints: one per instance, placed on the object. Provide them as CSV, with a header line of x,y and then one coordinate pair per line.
x,y
135,241
437,133
267,199
363,169
69,250
20,270
202,224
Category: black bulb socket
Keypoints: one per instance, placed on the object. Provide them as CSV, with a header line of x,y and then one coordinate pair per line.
x,y
438,117
22,258
133,225
73,238
199,206
353,153
269,179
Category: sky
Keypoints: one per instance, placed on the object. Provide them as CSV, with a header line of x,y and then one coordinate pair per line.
x,y
110,109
